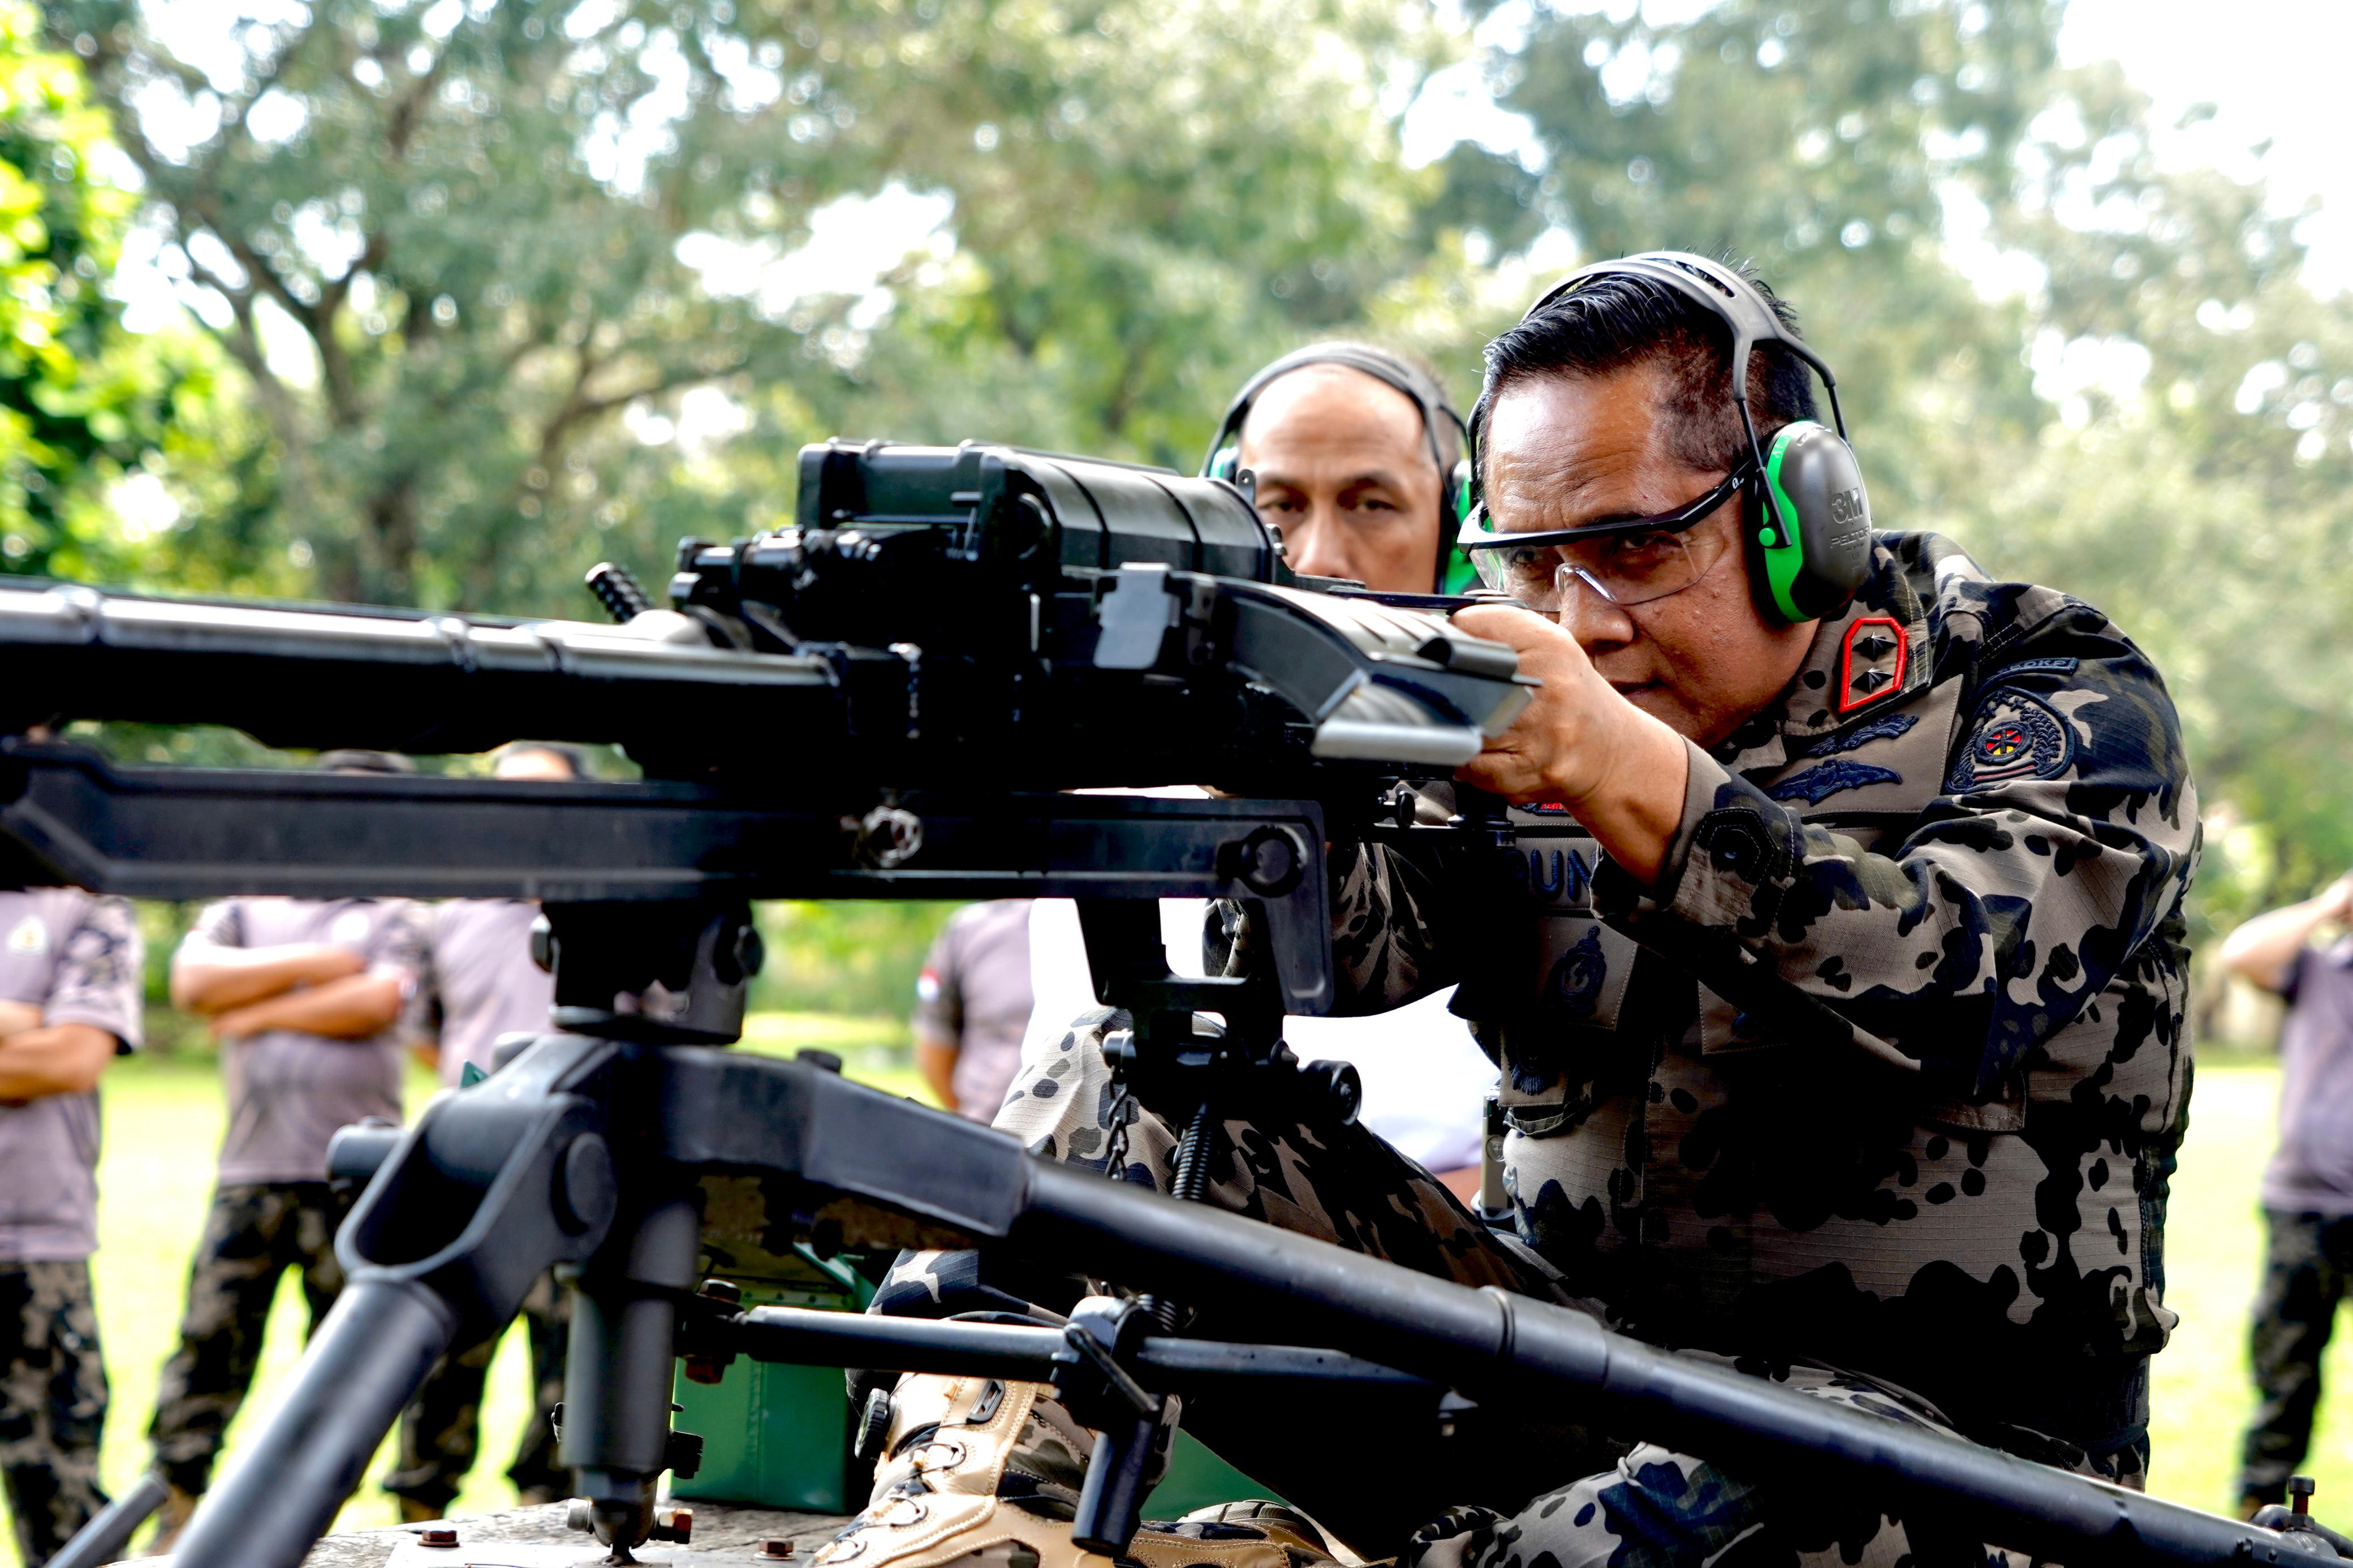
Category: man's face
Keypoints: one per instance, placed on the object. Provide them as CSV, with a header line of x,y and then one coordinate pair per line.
x,y
1571,451
529,764
1344,469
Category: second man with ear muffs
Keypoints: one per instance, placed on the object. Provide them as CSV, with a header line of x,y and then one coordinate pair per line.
x,y
1838,984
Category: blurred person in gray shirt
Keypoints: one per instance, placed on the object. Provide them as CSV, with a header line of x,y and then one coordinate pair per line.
x,y
482,984
972,1006
69,995
2307,1193
308,999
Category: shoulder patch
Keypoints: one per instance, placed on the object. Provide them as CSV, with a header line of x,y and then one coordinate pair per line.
x,y
1886,726
1871,661
2014,736
1824,780
30,938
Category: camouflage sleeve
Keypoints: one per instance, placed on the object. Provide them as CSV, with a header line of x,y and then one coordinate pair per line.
x,y
2066,832
1390,930
99,977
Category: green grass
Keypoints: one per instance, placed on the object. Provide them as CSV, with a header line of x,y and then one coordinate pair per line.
x,y
164,1117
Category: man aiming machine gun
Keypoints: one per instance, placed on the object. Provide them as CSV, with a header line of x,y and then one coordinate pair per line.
x,y
930,606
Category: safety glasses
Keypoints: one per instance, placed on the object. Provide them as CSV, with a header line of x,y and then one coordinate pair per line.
x,y
1632,561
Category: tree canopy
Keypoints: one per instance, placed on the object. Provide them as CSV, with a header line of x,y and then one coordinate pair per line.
x,y
491,289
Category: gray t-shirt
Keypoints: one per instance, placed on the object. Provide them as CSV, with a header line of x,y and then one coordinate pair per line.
x,y
2312,1172
974,990
76,957
288,1091
484,983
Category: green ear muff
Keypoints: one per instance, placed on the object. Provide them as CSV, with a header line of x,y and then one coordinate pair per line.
x,y
1224,465
1457,572
1812,539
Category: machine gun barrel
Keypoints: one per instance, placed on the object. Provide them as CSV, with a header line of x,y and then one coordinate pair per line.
x,y
383,679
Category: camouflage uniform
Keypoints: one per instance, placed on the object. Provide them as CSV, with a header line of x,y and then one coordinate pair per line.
x,y
1888,1069
1890,1066
2306,1271
441,1429
272,1208
77,958
52,1402
252,1234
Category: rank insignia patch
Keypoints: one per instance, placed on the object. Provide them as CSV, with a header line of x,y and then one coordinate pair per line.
x,y
2016,736
1872,662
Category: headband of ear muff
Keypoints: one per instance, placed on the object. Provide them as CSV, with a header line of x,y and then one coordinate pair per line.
x,y
1810,548
1223,459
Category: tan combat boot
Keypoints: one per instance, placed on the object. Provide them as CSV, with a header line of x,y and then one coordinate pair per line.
x,y
984,1473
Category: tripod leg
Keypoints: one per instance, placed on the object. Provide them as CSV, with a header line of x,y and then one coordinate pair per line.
x,y
617,1387
369,1357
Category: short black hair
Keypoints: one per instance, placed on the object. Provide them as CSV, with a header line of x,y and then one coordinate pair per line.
x,y
570,755
1617,320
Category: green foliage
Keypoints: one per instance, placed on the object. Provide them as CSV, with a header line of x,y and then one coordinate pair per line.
x,y
845,958
450,246
82,407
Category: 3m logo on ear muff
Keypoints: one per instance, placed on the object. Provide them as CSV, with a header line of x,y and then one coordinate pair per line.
x,y
1847,506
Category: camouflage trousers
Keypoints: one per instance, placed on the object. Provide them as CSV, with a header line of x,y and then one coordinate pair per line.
x,y
441,1429
52,1402
1436,1494
2307,1269
252,1235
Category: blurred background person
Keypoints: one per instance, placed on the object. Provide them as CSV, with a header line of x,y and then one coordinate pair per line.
x,y
972,1002
1357,453
307,999
482,984
2308,1192
69,1003
1358,456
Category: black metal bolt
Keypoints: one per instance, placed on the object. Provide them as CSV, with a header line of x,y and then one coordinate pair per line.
x,y
775,1551
2299,1491
616,589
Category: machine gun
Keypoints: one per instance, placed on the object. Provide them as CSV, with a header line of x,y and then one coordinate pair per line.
x,y
811,714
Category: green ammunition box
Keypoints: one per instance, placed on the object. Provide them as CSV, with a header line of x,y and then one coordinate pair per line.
x,y
778,1436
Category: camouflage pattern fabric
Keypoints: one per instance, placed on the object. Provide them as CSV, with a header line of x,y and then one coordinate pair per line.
x,y
1889,1071
1661,1509
440,1431
253,1234
1341,1184
1890,1068
2308,1265
52,1403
